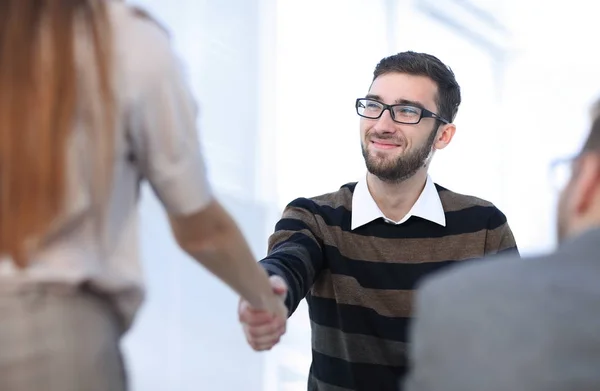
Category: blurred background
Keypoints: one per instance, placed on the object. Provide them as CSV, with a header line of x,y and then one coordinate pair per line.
x,y
528,75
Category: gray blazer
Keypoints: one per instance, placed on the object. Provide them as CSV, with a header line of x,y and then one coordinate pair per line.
x,y
511,324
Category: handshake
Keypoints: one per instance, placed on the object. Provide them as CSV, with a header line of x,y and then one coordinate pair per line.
x,y
264,329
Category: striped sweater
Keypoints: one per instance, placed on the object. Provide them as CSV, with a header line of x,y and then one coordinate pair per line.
x,y
359,283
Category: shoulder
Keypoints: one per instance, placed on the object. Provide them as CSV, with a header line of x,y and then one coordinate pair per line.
x,y
460,201
131,17
142,14
468,205
143,47
330,209
472,281
341,198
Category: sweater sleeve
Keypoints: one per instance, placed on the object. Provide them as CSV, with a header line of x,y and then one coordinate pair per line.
x,y
296,250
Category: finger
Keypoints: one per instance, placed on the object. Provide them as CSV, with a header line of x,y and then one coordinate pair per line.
x,y
265,344
279,285
272,328
245,306
253,317
263,348
265,340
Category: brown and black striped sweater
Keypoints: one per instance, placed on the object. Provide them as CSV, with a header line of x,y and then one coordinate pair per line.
x,y
359,283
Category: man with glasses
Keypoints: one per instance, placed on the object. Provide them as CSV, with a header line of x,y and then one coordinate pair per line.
x,y
356,254
511,324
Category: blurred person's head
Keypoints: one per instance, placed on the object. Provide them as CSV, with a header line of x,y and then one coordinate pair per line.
x,y
579,203
42,86
399,142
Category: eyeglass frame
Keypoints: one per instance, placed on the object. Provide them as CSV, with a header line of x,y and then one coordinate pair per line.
x,y
424,112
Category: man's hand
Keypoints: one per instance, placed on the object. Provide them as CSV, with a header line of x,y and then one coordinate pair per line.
x,y
262,329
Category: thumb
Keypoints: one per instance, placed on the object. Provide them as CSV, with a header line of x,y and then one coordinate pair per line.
x,y
279,286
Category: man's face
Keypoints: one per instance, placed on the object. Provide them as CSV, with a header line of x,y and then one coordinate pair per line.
x,y
394,152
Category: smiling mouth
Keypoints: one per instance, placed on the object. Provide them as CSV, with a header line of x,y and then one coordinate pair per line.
x,y
383,145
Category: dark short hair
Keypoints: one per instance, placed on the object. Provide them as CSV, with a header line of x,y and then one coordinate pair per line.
x,y
422,64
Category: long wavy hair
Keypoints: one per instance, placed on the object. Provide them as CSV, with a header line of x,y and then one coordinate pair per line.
x,y
40,94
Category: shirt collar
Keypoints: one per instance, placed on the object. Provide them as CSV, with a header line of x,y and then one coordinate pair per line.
x,y
428,206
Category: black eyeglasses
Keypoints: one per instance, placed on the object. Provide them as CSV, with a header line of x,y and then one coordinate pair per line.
x,y
403,114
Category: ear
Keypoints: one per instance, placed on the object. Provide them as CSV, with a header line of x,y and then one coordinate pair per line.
x,y
445,134
586,184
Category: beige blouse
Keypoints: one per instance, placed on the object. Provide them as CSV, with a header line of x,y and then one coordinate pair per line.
x,y
157,140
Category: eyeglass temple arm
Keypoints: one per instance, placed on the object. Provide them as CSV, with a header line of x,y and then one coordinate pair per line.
x,y
434,115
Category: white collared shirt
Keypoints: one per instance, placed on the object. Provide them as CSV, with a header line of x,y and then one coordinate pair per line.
x,y
428,206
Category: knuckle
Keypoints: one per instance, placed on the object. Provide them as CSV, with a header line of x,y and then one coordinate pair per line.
x,y
254,333
244,316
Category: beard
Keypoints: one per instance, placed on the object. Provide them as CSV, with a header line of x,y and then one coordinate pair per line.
x,y
402,167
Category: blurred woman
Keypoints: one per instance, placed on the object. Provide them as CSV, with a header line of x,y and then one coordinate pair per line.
x,y
92,102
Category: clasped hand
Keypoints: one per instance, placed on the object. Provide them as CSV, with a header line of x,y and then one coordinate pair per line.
x,y
263,329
